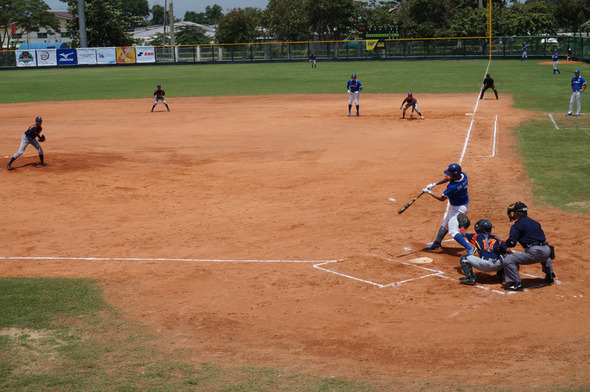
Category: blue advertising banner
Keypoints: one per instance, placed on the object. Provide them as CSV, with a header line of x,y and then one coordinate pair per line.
x,y
66,57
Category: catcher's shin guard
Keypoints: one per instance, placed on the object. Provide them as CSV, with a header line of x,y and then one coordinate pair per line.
x,y
468,271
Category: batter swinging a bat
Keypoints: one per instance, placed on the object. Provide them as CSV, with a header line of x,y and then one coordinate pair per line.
x,y
458,197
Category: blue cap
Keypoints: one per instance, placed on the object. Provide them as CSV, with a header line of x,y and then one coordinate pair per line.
x,y
409,94
453,169
38,119
159,85
577,71
353,76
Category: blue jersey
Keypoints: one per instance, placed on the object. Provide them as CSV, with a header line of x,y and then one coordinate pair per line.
x,y
555,56
577,83
487,245
524,48
354,86
456,191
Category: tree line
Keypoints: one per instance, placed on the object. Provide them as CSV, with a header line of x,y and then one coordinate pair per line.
x,y
108,22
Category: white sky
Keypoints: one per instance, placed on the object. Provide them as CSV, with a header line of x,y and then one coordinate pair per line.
x,y
181,6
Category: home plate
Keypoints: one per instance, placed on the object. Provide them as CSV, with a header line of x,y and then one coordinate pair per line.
x,y
421,260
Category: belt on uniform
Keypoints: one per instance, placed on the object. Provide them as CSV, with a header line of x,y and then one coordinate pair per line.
x,y
487,259
536,244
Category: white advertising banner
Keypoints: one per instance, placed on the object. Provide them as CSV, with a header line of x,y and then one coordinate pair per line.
x,y
145,54
106,55
46,57
26,58
86,56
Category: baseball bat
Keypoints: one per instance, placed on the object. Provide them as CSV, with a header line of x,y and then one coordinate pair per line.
x,y
410,203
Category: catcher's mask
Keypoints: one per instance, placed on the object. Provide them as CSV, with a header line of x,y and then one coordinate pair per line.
x,y
518,207
483,226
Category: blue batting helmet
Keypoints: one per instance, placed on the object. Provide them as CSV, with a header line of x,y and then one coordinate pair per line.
x,y
353,76
453,169
577,71
483,226
38,119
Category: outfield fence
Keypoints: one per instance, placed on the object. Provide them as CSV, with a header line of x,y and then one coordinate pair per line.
x,y
539,47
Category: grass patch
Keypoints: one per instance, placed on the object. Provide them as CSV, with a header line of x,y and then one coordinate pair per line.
x,y
86,345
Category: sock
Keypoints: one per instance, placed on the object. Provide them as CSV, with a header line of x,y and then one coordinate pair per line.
x,y
349,107
462,241
357,108
440,235
41,157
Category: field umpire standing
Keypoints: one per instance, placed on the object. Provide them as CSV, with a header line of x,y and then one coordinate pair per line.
x,y
528,233
354,89
34,132
488,82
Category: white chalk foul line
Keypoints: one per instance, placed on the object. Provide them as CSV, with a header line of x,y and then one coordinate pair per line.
x,y
162,259
494,137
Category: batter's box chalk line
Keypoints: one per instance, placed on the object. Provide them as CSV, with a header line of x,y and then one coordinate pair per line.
x,y
494,138
551,116
428,273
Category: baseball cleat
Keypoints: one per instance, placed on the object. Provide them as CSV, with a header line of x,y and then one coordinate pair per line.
x,y
422,117
513,286
434,245
43,164
8,166
577,115
401,118
348,113
356,115
550,278
569,114
468,281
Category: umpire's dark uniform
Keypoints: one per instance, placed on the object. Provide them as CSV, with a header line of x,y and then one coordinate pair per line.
x,y
488,82
528,233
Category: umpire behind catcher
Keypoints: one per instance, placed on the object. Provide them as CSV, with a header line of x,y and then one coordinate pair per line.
x,y
528,233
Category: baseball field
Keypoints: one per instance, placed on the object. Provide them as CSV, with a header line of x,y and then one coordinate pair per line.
x,y
249,239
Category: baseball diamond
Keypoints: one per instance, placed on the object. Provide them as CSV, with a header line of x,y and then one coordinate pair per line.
x,y
253,230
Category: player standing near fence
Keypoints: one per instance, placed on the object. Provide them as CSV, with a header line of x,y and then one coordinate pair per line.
x,y
159,95
34,132
555,59
354,89
578,87
525,49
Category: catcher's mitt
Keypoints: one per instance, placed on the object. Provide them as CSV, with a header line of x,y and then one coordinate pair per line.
x,y
41,138
464,221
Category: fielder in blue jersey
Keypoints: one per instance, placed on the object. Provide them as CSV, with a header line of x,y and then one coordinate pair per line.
x,y
458,197
578,87
354,89
525,48
555,59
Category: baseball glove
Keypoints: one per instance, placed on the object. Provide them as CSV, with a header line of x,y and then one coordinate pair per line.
x,y
41,138
464,221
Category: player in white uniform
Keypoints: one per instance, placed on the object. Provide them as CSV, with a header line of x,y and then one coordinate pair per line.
x,y
354,89
578,87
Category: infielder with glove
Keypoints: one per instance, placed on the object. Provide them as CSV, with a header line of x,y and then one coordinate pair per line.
x,y
578,87
490,252
159,95
528,233
410,102
488,82
458,197
354,89
34,132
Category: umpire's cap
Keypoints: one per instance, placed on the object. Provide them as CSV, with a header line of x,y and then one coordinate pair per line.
x,y
453,169
517,207
38,119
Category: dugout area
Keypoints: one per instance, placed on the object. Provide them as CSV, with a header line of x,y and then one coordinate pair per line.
x,y
208,224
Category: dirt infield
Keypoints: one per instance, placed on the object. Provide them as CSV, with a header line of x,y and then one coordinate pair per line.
x,y
258,230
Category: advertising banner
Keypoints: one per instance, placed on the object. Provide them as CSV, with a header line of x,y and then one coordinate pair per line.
x,y
86,56
125,54
145,54
66,57
26,58
46,57
106,55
